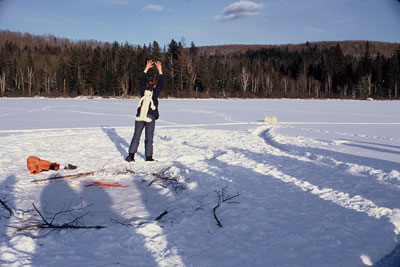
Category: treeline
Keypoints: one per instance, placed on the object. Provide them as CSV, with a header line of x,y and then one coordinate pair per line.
x,y
50,66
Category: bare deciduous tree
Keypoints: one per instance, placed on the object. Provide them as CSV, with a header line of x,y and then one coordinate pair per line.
x,y
3,83
244,79
192,74
125,84
30,77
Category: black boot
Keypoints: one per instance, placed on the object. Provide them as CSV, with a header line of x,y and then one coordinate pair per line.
x,y
149,158
130,157
54,166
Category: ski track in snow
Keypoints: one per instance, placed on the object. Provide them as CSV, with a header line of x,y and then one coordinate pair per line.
x,y
299,200
304,151
343,199
350,135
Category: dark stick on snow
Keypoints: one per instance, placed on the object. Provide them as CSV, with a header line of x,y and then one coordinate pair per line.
x,y
7,207
33,204
215,215
78,175
221,199
161,215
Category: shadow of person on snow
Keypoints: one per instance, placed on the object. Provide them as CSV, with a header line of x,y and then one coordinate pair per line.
x,y
7,196
89,206
155,204
7,191
56,197
119,142
160,208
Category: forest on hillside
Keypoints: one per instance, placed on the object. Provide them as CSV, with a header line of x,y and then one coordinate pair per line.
x,y
49,66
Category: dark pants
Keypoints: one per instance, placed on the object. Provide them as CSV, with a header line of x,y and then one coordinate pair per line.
x,y
149,134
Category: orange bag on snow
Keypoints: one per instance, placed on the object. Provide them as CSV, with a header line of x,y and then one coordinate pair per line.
x,y
36,165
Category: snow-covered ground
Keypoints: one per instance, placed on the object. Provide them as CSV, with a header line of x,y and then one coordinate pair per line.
x,y
319,188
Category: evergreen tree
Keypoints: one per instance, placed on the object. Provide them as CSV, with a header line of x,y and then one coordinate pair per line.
x,y
61,76
171,68
72,73
156,52
95,68
32,65
193,50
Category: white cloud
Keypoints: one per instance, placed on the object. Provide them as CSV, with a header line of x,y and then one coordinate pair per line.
x,y
154,7
239,10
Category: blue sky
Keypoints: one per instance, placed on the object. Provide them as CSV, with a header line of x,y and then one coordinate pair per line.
x,y
206,22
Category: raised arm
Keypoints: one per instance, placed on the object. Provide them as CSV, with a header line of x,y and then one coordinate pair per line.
x,y
159,67
149,65
144,78
160,82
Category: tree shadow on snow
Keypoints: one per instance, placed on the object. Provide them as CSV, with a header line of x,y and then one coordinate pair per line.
x,y
331,177
385,165
377,149
270,217
294,218
372,143
336,161
390,260
375,146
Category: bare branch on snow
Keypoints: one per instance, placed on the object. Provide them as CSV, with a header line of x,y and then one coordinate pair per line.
x,y
222,197
7,208
35,224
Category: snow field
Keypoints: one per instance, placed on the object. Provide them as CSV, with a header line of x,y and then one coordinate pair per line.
x,y
301,195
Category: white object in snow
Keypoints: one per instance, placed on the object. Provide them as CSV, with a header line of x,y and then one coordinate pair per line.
x,y
144,103
270,119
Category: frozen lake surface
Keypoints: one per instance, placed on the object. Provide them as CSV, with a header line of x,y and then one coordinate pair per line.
x,y
318,188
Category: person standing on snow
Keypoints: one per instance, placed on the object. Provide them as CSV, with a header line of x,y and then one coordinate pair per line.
x,y
156,87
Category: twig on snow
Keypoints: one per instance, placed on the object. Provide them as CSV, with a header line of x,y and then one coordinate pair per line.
x,y
7,208
141,221
221,199
167,180
127,171
77,175
159,217
133,223
215,215
82,174
35,225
